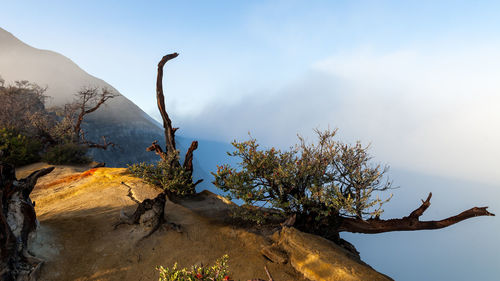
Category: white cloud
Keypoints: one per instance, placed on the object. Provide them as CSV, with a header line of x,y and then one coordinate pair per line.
x,y
435,111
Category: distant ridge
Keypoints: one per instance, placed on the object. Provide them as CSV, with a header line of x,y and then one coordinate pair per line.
x,y
19,61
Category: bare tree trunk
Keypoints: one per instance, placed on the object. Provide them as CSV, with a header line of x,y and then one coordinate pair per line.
x,y
17,223
152,209
410,222
160,99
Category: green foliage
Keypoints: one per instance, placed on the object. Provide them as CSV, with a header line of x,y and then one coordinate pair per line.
x,y
217,272
167,174
18,149
320,181
67,153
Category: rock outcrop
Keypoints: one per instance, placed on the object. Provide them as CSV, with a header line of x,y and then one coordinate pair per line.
x,y
321,260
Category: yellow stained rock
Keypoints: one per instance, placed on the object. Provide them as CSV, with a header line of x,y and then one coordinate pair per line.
x,y
321,260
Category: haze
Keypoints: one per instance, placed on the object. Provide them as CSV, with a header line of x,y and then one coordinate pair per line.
x,y
417,80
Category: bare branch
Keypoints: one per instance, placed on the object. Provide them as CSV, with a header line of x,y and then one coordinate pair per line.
x,y
410,222
157,149
88,100
197,182
33,178
420,210
104,145
105,95
188,160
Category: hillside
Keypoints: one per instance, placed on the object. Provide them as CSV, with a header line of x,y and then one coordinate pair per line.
x,y
120,120
77,209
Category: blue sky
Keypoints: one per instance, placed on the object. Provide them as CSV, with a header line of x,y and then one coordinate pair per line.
x,y
416,79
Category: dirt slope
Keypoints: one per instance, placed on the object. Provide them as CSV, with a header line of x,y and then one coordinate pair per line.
x,y
77,210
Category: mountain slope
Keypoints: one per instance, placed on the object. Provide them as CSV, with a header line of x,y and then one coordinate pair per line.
x,y
120,119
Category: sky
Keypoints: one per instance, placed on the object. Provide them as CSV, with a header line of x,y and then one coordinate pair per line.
x,y
417,80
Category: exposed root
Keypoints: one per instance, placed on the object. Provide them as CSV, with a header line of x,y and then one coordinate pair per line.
x,y
149,215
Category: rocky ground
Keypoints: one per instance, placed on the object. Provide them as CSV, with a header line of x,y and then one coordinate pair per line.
x,y
78,208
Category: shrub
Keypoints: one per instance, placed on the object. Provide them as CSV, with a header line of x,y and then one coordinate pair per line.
x,y
169,175
318,183
18,149
217,272
67,153
23,107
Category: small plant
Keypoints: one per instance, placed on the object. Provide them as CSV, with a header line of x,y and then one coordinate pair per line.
x,y
167,174
217,272
17,148
67,153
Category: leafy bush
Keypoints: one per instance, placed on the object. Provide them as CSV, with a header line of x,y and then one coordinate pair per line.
x,y
218,272
67,153
167,174
18,149
318,183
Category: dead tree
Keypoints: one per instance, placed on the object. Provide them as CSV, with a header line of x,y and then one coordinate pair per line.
x,y
17,224
154,207
87,100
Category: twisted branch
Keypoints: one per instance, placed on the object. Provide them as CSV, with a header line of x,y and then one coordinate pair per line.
x,y
410,222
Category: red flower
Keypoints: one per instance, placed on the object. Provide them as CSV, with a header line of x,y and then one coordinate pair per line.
x,y
198,275
226,278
